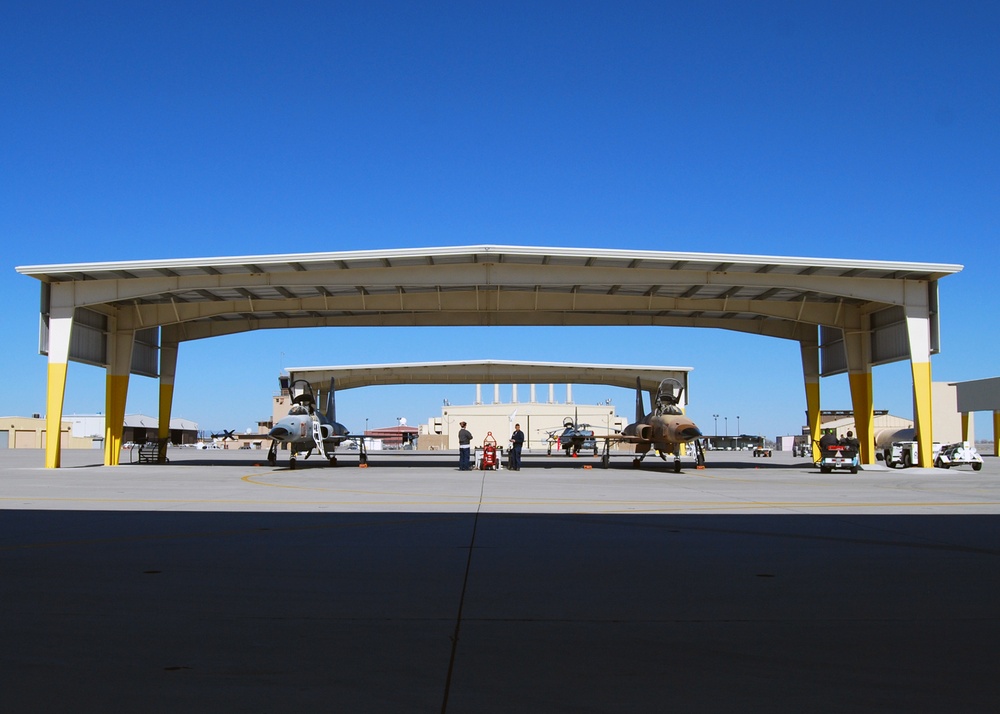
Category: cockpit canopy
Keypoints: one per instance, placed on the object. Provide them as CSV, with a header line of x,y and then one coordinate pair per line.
x,y
668,396
301,392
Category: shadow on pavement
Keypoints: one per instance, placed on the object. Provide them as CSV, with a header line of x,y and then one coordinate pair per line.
x,y
158,612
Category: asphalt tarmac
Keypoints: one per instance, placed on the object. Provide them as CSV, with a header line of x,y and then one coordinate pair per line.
x,y
217,583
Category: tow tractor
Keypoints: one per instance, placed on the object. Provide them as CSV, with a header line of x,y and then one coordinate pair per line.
x,y
837,457
905,453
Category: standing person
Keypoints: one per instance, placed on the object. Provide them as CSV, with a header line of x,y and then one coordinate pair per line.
x,y
464,448
516,441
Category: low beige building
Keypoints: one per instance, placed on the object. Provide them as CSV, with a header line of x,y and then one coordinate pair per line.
x,y
31,433
540,422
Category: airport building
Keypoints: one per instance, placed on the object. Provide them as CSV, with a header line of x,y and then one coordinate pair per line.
x,y
31,433
541,422
86,431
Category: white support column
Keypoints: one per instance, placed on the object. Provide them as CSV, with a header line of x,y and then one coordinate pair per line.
x,y
918,330
496,393
513,393
859,374
532,393
552,393
479,394
60,329
120,344
569,393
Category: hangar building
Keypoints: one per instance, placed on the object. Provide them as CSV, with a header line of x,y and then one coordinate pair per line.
x,y
845,316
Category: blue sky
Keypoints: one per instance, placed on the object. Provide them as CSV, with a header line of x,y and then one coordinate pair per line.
x,y
862,130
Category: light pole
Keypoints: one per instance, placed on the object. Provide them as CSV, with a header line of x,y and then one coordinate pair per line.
x,y
716,417
738,432
727,426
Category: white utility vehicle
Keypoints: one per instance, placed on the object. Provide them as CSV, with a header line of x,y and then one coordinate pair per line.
x,y
905,454
962,452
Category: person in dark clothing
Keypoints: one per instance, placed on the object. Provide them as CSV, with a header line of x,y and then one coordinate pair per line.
x,y
464,448
516,442
850,443
826,441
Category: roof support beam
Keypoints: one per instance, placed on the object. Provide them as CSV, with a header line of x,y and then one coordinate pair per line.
x,y
143,315
89,292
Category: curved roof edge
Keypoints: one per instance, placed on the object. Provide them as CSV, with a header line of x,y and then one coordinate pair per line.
x,y
43,271
488,371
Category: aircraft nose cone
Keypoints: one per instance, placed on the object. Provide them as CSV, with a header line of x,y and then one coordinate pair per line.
x,y
690,432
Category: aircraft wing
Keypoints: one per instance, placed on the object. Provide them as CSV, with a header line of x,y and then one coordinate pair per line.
x,y
621,438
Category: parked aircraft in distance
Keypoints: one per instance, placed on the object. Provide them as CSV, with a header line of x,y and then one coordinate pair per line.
x,y
664,429
572,438
306,428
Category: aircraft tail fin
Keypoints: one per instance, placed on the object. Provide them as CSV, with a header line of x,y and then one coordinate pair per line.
x,y
331,401
640,410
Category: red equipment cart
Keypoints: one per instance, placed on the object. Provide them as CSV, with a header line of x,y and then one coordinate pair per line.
x,y
489,460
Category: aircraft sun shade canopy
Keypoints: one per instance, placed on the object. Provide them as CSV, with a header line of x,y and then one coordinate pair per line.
x,y
491,371
130,316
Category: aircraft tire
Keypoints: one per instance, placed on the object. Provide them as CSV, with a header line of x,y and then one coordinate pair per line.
x,y
677,467
977,466
605,461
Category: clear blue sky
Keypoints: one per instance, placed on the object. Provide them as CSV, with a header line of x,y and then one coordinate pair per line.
x,y
864,130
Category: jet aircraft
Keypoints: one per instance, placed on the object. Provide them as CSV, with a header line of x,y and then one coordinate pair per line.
x,y
572,438
665,428
305,428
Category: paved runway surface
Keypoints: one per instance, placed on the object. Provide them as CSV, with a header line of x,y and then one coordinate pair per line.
x,y
216,583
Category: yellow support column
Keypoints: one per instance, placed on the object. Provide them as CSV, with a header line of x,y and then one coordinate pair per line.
x,y
163,423
809,350
922,412
168,368
996,433
53,414
116,394
864,413
965,426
